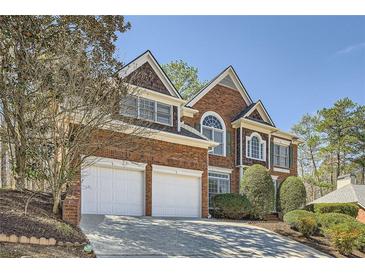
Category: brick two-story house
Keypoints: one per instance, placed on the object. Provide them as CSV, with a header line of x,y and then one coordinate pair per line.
x,y
200,147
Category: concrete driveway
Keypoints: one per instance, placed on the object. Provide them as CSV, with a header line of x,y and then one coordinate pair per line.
x,y
120,236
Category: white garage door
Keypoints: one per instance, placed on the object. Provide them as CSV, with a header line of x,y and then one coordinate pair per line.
x,y
176,193
112,190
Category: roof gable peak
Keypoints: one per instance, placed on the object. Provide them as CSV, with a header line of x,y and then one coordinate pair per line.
x,y
147,57
228,77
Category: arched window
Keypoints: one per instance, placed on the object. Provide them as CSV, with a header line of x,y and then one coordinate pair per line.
x,y
255,147
213,128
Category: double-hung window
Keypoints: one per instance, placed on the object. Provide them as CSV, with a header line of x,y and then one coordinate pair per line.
x,y
218,183
146,109
281,156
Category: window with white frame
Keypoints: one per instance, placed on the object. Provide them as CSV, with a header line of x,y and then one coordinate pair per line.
x,y
255,147
146,109
281,155
214,130
218,183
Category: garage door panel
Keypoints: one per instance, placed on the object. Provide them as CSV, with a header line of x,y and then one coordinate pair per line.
x,y
107,190
175,195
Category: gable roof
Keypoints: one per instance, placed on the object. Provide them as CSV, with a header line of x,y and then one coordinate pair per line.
x,y
350,193
259,106
140,60
227,77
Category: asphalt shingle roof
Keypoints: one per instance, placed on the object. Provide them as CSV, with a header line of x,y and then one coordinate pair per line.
x,y
348,194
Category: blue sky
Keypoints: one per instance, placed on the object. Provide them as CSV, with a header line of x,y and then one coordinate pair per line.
x,y
294,64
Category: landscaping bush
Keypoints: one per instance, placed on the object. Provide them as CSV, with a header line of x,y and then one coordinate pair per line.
x,y
231,206
307,225
327,220
344,208
345,236
303,221
258,186
292,194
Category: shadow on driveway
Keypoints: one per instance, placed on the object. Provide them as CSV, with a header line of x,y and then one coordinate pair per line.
x,y
120,236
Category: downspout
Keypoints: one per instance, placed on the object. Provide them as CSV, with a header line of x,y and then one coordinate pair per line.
x,y
241,152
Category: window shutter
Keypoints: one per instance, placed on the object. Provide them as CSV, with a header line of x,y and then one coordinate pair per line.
x,y
228,143
248,148
271,154
290,156
197,126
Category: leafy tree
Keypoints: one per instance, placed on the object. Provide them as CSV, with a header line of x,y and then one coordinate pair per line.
x,y
309,157
58,88
358,132
337,124
184,77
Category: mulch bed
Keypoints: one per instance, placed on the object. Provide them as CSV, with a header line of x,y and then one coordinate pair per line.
x,y
9,250
39,220
317,242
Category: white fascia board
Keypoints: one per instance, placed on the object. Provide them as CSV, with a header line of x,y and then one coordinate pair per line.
x,y
177,171
163,135
282,170
154,95
229,71
220,169
188,112
115,163
247,123
147,57
281,142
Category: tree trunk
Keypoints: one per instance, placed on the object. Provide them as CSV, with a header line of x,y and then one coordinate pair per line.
x,y
338,165
3,163
56,201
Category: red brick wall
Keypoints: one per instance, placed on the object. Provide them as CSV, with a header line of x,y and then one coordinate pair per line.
x,y
145,150
361,215
227,103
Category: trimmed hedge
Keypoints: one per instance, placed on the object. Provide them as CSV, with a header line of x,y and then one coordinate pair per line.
x,y
302,220
344,208
231,206
258,186
327,220
292,194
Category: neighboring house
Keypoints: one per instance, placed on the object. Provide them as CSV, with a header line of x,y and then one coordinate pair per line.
x,y
202,148
346,192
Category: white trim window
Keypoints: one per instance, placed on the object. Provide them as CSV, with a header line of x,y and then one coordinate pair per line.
x,y
281,156
218,183
255,147
146,109
213,127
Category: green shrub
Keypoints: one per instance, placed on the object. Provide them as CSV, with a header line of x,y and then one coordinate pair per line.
x,y
302,220
258,186
231,206
344,208
346,236
292,194
327,220
307,225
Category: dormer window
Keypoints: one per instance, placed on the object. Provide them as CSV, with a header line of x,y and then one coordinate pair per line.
x,y
146,109
255,147
213,128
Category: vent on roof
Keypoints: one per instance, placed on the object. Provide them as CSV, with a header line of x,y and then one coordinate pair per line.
x,y
227,81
